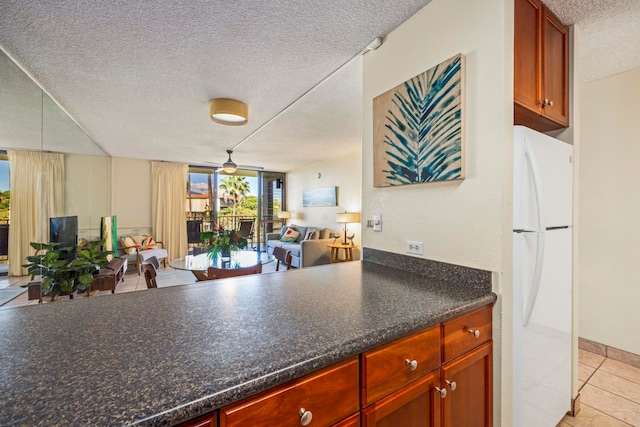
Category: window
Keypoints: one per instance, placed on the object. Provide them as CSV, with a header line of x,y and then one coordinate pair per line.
x,y
215,197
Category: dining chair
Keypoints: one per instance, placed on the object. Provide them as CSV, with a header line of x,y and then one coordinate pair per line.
x,y
245,229
150,268
222,273
282,255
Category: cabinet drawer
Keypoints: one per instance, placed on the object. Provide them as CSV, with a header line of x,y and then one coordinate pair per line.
x,y
465,333
209,420
330,395
388,368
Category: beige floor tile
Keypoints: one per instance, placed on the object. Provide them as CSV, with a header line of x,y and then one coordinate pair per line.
x,y
611,404
585,371
614,384
621,369
590,359
590,417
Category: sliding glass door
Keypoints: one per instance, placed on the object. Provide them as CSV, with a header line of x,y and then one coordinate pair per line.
x,y
231,201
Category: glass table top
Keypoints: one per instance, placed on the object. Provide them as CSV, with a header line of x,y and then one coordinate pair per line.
x,y
238,259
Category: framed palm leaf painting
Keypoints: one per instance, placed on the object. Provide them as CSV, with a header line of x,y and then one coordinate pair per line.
x,y
418,128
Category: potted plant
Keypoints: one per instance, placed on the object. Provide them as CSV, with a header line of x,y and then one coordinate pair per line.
x,y
221,242
63,277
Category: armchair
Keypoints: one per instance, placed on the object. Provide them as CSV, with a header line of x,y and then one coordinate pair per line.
x,y
139,249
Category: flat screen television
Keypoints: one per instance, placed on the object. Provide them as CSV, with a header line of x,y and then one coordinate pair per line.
x,y
64,230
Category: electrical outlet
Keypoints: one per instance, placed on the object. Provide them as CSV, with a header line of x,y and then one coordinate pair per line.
x,y
412,247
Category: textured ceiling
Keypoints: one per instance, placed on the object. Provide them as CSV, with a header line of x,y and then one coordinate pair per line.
x,y
609,40
137,76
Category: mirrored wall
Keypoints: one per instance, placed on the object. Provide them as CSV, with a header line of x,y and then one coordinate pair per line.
x,y
30,120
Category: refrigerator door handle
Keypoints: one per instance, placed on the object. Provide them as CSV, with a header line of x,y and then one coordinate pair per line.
x,y
540,235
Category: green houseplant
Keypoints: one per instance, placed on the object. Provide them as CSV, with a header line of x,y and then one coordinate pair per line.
x,y
62,277
221,242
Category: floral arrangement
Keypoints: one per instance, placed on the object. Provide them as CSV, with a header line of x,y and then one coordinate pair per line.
x,y
222,242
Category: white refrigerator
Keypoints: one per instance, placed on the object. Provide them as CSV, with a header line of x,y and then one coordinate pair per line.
x,y
542,238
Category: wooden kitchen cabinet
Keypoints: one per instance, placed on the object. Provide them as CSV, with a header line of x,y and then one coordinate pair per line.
x,y
415,405
457,392
541,67
437,377
323,398
469,402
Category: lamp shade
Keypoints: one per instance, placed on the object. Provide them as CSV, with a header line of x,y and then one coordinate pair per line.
x,y
347,217
228,111
284,214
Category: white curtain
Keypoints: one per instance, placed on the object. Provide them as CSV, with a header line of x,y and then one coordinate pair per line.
x,y
169,216
37,194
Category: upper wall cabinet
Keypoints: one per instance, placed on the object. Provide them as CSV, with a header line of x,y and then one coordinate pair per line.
x,y
541,68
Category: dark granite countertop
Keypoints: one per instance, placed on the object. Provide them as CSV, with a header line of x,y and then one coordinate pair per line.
x,y
163,356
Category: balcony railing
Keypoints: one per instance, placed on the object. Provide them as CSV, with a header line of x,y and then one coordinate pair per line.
x,y
232,222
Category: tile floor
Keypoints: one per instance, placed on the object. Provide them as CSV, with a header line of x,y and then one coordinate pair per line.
x,y
609,389
609,393
132,282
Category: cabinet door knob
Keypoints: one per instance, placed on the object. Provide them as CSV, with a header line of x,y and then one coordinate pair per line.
x,y
305,416
550,104
475,332
452,385
442,392
412,364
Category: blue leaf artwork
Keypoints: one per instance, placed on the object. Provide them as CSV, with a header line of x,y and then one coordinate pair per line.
x,y
418,128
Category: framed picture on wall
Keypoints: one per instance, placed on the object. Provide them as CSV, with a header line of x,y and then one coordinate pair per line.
x,y
418,128
320,197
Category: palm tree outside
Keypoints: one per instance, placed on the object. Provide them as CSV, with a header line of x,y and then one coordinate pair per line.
x,y
234,188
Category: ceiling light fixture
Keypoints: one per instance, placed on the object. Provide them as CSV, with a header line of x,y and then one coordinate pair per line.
x,y
228,111
229,166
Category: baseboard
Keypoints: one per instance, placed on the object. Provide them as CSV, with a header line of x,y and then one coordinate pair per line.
x,y
610,352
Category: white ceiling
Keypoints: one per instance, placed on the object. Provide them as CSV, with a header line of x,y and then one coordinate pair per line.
x,y
137,76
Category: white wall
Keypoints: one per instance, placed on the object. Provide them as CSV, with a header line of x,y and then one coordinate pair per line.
x,y
344,172
467,222
609,232
87,191
131,195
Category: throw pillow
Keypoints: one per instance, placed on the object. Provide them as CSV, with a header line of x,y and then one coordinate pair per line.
x,y
128,243
149,243
290,236
311,234
285,228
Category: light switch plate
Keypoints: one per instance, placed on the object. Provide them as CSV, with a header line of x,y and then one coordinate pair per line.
x,y
377,222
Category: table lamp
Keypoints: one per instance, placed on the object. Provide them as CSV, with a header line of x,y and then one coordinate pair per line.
x,y
285,215
346,218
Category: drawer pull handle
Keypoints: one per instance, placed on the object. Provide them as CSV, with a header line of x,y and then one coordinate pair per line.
x,y
305,416
412,364
475,332
442,392
452,385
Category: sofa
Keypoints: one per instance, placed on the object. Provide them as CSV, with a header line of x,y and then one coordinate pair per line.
x,y
308,248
